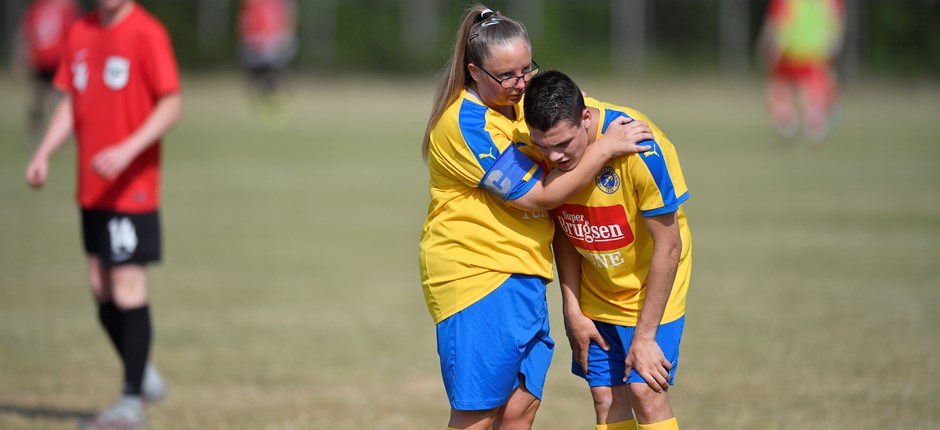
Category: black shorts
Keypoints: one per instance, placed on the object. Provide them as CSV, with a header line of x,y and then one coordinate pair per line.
x,y
118,238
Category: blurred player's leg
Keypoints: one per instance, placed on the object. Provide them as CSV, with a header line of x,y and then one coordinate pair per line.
x,y
273,110
128,292
817,92
783,108
35,117
268,99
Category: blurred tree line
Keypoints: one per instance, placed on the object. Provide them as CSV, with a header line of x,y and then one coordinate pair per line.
x,y
885,37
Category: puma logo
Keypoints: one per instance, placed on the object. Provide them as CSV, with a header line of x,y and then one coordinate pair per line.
x,y
490,154
652,151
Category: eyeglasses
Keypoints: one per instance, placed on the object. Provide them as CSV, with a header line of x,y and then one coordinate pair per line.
x,y
512,81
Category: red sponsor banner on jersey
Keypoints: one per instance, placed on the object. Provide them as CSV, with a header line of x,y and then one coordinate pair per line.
x,y
594,228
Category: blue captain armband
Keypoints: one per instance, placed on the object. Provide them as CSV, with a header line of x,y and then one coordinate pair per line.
x,y
512,175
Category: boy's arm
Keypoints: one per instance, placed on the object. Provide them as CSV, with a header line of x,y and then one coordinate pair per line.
x,y
579,328
645,356
60,128
111,161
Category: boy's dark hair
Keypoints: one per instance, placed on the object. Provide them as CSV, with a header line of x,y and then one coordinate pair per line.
x,y
552,98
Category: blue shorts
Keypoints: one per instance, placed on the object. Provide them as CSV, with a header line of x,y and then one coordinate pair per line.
x,y
487,346
606,368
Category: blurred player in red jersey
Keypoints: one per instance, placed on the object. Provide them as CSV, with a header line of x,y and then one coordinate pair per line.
x,y
39,48
121,95
268,44
800,40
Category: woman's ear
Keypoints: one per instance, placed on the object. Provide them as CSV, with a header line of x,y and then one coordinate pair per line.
x,y
473,70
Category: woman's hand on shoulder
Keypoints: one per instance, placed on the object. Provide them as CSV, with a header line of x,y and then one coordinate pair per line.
x,y
624,135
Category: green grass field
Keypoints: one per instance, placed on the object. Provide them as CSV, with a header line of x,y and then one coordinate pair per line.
x,y
289,295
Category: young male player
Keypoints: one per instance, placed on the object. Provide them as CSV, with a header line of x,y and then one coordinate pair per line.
x,y
623,251
122,94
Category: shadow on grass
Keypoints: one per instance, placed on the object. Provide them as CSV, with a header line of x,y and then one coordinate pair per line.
x,y
45,412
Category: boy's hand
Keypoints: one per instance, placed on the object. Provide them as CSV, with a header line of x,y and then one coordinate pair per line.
x,y
646,358
111,161
37,171
581,331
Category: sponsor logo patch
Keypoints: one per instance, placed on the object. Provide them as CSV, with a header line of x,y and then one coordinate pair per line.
x,y
595,228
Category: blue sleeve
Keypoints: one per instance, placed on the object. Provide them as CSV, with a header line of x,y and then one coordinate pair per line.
x,y
656,163
508,178
669,208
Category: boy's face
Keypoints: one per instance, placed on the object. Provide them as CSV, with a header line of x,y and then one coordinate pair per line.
x,y
564,144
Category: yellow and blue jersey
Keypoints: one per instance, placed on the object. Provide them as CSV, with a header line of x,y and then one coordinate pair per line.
x,y
472,240
604,224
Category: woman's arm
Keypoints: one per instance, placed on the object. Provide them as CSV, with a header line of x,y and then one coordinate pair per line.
x,y
622,137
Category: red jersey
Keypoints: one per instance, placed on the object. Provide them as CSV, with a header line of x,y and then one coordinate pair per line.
x,y
45,25
266,24
115,76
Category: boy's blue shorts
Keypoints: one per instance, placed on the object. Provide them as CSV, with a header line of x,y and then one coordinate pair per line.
x,y
606,368
487,346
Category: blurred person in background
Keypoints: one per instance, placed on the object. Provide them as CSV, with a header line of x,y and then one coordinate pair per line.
x,y
800,40
485,249
624,255
122,94
268,44
37,52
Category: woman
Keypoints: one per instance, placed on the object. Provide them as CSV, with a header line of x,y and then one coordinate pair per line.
x,y
485,251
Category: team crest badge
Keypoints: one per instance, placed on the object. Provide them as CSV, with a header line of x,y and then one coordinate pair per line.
x,y
117,71
607,180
